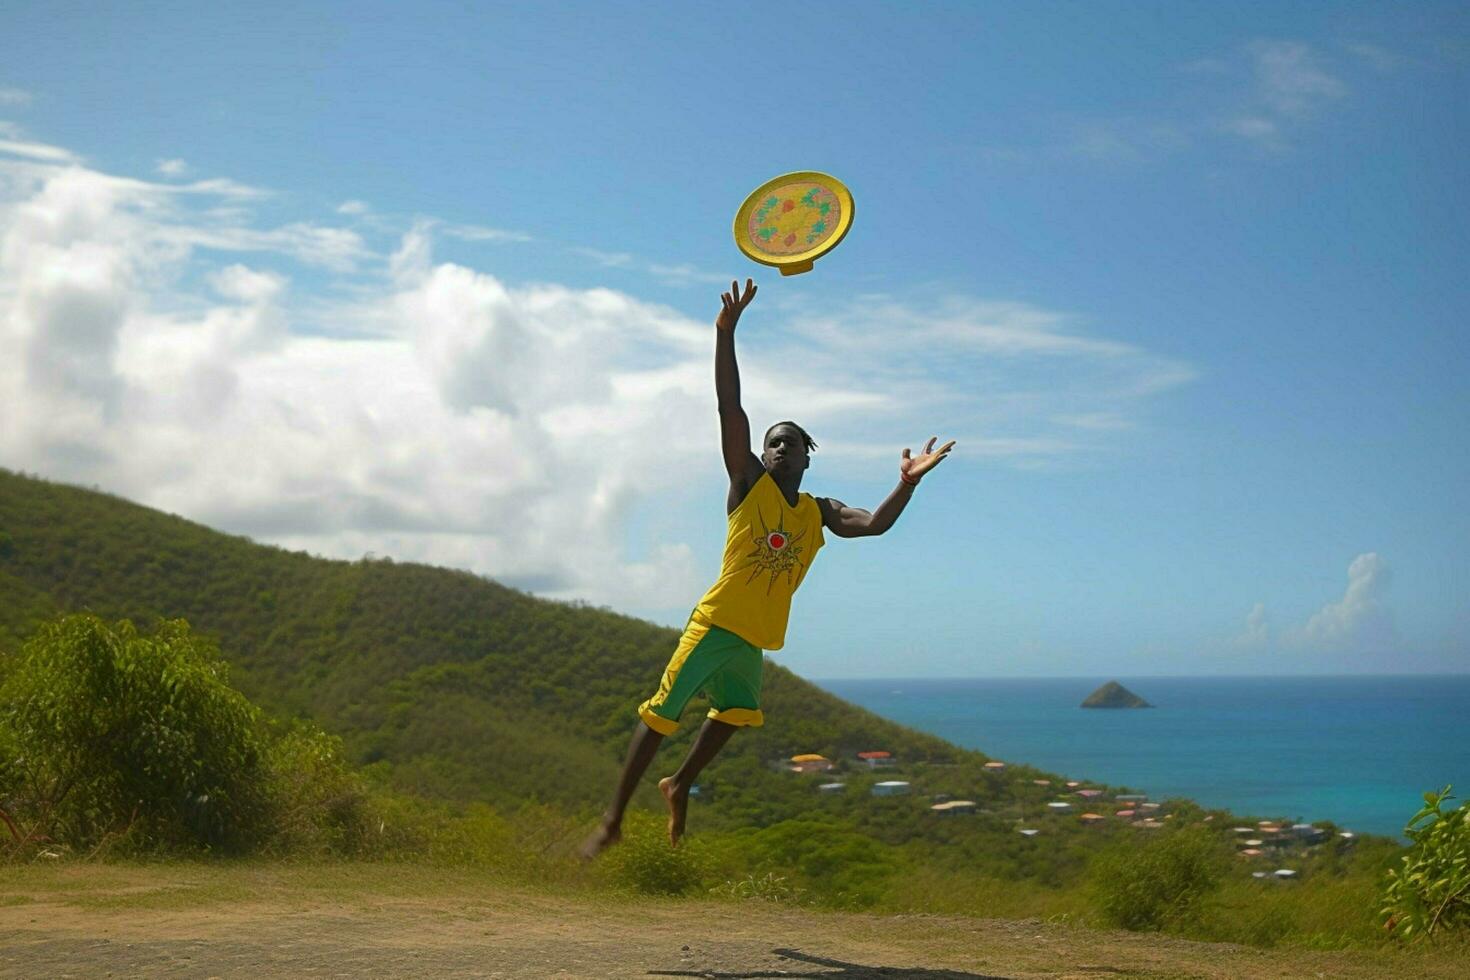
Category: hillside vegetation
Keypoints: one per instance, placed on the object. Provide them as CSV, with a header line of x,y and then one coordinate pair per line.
x,y
448,687
458,687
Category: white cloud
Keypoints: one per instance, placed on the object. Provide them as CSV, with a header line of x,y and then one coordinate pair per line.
x,y
479,233
445,415
1290,78
611,260
1359,622
1261,93
36,151
680,274
14,96
172,168
1290,84
353,207
1257,634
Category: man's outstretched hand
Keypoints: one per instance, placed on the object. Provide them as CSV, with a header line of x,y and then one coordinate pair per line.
x,y
734,304
912,468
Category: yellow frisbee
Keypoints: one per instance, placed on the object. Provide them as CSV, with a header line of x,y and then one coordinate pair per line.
x,y
792,220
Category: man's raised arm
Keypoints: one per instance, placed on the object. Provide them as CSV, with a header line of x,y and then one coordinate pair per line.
x,y
740,462
854,522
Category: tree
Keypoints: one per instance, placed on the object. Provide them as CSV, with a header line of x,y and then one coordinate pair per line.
x,y
108,732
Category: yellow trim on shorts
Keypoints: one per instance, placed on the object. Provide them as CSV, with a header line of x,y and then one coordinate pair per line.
x,y
658,723
738,716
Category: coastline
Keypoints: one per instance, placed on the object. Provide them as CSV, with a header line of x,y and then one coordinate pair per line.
x,y
1342,748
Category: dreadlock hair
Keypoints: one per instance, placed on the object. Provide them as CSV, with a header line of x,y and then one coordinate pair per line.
x,y
811,444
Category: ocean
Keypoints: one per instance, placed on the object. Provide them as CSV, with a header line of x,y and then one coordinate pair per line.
x,y
1359,751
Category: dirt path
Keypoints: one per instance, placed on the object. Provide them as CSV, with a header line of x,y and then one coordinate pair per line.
x,y
375,921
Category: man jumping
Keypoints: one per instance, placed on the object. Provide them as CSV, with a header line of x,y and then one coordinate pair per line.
x,y
774,533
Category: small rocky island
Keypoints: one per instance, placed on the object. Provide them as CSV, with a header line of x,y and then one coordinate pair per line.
x,y
1114,695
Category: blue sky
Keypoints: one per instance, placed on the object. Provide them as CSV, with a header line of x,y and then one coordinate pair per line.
x,y
1186,283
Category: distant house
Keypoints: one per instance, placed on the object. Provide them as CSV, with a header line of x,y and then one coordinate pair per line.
x,y
1059,807
1042,782
995,767
1308,833
953,807
1089,793
1285,874
810,762
1125,813
831,787
1251,852
1092,819
1073,784
1131,798
876,759
1029,832
892,787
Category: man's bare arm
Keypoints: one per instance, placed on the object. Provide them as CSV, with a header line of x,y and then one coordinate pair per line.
x,y
740,463
854,522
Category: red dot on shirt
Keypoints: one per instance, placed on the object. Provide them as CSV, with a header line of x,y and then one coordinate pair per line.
x,y
777,541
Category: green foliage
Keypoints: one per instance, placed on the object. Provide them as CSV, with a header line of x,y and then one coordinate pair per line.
x,y
835,865
1431,891
769,887
1161,884
110,738
115,733
488,725
645,863
318,804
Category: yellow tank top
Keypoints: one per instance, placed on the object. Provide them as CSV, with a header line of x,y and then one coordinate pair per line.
x,y
768,548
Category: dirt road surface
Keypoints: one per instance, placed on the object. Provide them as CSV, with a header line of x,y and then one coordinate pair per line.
x,y
380,921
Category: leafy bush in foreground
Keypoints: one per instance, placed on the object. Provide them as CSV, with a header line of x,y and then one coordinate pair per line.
x,y
110,737
1431,892
114,733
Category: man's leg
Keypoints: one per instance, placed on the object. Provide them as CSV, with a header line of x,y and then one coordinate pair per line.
x,y
640,753
712,737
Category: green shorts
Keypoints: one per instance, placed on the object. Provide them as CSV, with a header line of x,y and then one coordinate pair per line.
x,y
713,660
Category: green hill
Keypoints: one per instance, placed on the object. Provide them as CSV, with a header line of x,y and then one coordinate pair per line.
x,y
451,687
457,686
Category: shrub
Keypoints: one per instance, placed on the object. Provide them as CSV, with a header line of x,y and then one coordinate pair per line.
x,y
114,739
832,864
317,805
646,863
114,734
1162,884
1431,892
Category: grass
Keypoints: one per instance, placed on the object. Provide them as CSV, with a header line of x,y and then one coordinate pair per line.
x,y
1013,916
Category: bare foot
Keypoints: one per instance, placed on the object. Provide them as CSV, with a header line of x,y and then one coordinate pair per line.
x,y
605,836
678,801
